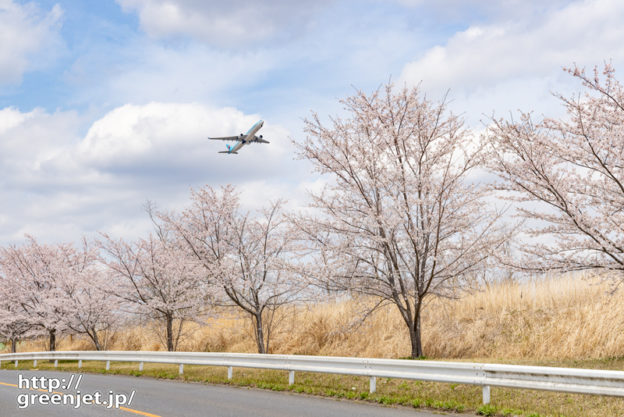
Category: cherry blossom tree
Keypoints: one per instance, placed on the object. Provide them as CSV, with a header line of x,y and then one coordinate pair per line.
x,y
568,177
400,218
245,255
54,288
156,279
91,309
14,324
32,271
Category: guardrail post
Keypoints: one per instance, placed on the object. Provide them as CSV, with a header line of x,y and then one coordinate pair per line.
x,y
229,372
181,371
16,363
373,384
140,366
79,363
56,363
291,377
108,365
486,394
35,363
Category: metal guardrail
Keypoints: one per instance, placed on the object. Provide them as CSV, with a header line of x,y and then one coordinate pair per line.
x,y
581,381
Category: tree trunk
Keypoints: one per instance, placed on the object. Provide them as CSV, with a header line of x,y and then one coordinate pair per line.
x,y
415,338
414,327
94,337
259,333
169,318
13,345
52,340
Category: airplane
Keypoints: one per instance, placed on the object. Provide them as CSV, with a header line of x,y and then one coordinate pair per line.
x,y
243,139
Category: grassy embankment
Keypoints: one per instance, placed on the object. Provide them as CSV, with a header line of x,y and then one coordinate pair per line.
x,y
559,322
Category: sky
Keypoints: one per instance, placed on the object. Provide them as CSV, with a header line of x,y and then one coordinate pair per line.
x,y
107,105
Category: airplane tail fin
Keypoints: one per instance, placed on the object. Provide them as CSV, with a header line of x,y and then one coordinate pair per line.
x,y
229,149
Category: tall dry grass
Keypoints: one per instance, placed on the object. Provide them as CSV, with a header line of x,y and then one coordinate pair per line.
x,y
557,318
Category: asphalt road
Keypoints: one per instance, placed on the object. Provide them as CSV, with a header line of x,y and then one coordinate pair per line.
x,y
162,398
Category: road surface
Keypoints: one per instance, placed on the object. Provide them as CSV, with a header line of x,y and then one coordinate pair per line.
x,y
164,398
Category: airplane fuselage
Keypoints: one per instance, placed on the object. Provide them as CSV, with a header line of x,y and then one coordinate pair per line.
x,y
248,137
242,139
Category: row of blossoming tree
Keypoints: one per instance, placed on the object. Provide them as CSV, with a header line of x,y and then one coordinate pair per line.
x,y
407,213
211,254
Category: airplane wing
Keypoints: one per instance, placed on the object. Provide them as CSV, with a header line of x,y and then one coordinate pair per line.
x,y
261,140
228,138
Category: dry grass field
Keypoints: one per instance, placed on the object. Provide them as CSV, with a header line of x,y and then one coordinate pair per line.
x,y
561,318
561,321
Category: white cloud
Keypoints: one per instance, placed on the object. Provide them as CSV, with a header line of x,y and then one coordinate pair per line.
x,y
222,23
516,63
284,79
29,38
478,8
147,71
168,139
485,54
62,183
30,140
9,118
